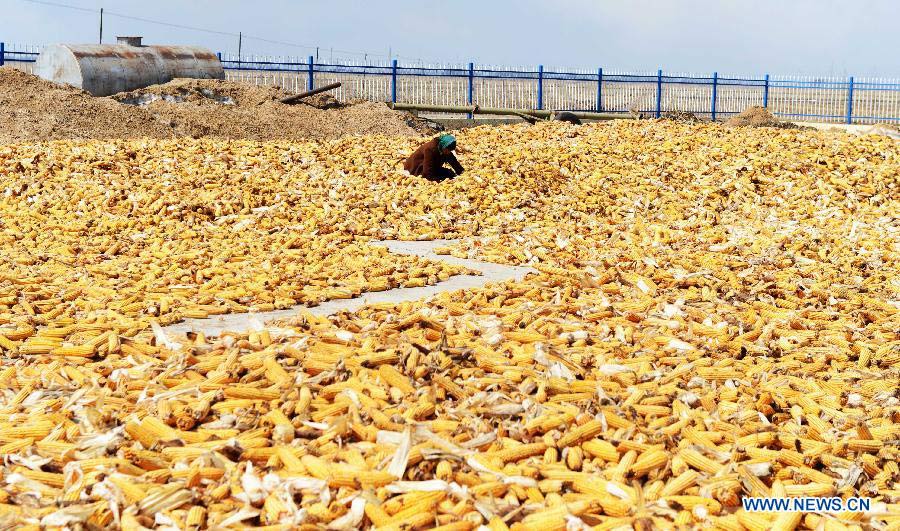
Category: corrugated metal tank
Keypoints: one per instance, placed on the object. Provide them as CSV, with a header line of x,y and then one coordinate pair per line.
x,y
105,69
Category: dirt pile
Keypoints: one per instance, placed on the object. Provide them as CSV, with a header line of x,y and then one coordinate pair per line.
x,y
203,92
681,117
215,92
323,101
758,117
33,109
273,120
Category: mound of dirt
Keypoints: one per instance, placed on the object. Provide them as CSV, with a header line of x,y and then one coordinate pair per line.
x,y
322,101
33,109
681,116
215,92
758,117
203,92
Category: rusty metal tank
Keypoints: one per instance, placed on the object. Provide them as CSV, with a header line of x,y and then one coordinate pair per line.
x,y
105,69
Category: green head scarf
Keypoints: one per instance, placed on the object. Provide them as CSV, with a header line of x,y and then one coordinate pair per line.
x,y
447,142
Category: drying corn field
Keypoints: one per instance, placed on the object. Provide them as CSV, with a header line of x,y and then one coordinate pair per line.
x,y
715,315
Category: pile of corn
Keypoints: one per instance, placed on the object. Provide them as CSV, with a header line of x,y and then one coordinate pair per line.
x,y
110,236
715,317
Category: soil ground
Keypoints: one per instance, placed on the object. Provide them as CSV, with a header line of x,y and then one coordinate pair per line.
x,y
34,109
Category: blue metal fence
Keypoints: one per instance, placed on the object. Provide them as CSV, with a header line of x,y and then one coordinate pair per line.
x,y
15,56
653,94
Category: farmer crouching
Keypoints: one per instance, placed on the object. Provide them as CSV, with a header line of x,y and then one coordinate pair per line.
x,y
428,159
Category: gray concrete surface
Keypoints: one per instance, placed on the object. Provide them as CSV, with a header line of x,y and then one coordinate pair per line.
x,y
454,122
490,273
857,129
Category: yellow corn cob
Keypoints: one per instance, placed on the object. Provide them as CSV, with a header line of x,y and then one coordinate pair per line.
x,y
274,371
37,430
754,521
699,462
376,515
677,485
47,478
520,452
132,491
786,521
16,446
423,503
250,393
497,524
274,509
864,445
524,336
196,517
462,525
810,489
689,502
413,522
602,449
85,351
290,461
395,379
7,344
618,472
201,472
589,430
649,461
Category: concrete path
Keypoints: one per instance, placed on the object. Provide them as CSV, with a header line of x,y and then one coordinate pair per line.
x,y
856,129
490,273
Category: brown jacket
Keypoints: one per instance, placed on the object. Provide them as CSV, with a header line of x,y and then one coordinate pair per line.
x,y
427,161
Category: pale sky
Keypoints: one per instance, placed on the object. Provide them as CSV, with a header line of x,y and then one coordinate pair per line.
x,y
825,37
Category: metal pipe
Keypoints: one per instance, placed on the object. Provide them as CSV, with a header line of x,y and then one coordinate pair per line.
x,y
527,117
297,97
475,109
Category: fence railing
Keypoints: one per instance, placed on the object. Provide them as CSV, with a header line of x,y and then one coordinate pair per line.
x,y
22,57
711,96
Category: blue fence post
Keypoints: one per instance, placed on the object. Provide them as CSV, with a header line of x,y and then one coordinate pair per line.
x,y
599,90
471,91
714,92
540,102
393,81
766,92
218,56
659,93
850,101
2,53
309,78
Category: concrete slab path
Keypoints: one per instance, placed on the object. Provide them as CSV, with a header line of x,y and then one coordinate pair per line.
x,y
490,273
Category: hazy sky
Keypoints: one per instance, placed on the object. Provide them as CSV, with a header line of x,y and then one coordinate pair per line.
x,y
838,37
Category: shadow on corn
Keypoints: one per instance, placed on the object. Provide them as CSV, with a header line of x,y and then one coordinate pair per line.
x,y
490,273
